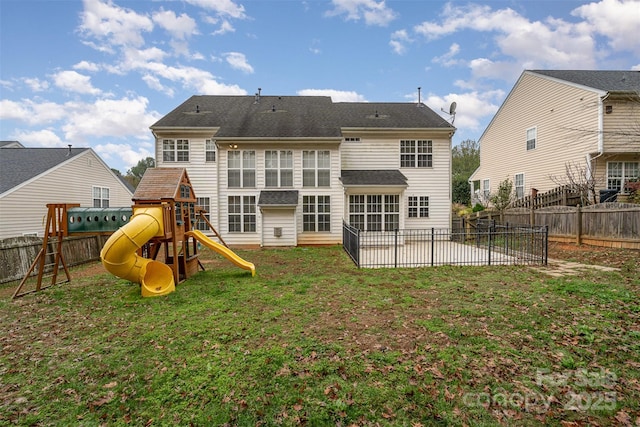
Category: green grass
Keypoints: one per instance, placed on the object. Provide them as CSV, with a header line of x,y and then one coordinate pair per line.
x,y
312,340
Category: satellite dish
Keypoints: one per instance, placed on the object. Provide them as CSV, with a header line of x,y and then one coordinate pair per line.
x,y
452,108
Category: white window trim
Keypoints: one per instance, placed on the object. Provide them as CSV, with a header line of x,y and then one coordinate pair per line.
x,y
486,191
102,199
535,138
175,150
515,183
316,169
315,214
415,153
419,206
279,169
213,150
242,169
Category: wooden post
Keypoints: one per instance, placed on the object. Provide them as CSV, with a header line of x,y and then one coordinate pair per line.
x,y
578,225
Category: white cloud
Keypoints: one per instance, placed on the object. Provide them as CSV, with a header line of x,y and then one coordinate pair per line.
x,y
180,27
552,43
618,20
472,107
31,112
399,40
38,138
336,95
75,82
221,7
238,61
448,59
636,67
225,27
154,83
113,24
127,154
125,117
373,12
86,66
36,84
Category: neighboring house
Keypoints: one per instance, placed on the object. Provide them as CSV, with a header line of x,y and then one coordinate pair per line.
x,y
30,178
555,120
287,170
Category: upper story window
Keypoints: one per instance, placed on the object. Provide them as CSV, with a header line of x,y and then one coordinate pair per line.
x,y
352,139
241,169
210,150
532,137
316,169
100,197
278,168
416,153
619,173
519,185
175,150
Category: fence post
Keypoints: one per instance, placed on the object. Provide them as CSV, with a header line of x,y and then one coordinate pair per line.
x,y
395,249
432,244
489,243
578,225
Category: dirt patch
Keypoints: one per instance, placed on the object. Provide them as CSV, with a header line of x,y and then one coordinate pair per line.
x,y
585,254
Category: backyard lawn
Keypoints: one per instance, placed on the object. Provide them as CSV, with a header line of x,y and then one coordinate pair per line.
x,y
312,340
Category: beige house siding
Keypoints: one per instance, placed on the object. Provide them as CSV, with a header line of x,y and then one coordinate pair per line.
x,y
564,117
23,210
622,126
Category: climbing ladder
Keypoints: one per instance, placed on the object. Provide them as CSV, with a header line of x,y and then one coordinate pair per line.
x,y
55,232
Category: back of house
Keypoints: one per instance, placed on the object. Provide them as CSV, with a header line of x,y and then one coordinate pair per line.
x,y
288,170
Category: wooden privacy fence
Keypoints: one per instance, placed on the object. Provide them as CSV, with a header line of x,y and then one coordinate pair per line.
x,y
17,254
604,224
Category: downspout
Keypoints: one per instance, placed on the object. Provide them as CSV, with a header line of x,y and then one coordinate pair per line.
x,y
588,156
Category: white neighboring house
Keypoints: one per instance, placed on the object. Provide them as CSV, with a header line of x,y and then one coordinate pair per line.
x,y
288,170
588,120
30,178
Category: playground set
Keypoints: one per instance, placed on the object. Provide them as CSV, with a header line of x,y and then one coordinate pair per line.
x,y
163,219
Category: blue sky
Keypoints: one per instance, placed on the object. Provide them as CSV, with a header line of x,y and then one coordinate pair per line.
x,y
98,73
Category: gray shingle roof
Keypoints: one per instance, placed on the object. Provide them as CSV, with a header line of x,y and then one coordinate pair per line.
x,y
388,115
607,80
373,177
293,116
278,198
18,165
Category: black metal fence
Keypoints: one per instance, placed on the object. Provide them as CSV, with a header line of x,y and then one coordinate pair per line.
x,y
487,244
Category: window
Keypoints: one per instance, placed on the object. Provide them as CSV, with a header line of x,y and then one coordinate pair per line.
x,y
175,150
242,214
100,197
241,169
416,154
519,185
316,169
352,139
418,207
619,173
204,203
374,212
278,168
316,214
486,189
532,135
209,151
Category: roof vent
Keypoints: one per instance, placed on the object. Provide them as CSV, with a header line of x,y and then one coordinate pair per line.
x,y
257,100
273,108
69,151
197,108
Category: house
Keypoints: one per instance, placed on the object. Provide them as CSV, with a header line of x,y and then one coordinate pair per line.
x,y
558,125
288,170
32,177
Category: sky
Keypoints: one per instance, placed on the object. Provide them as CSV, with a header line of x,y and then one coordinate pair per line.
x,y
98,73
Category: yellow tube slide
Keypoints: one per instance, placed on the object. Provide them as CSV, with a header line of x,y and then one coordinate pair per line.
x,y
223,250
119,255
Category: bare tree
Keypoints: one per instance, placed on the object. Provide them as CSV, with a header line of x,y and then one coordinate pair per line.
x,y
581,179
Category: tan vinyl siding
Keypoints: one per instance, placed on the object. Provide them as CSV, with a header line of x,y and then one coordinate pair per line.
x,y
24,210
566,120
282,219
622,126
